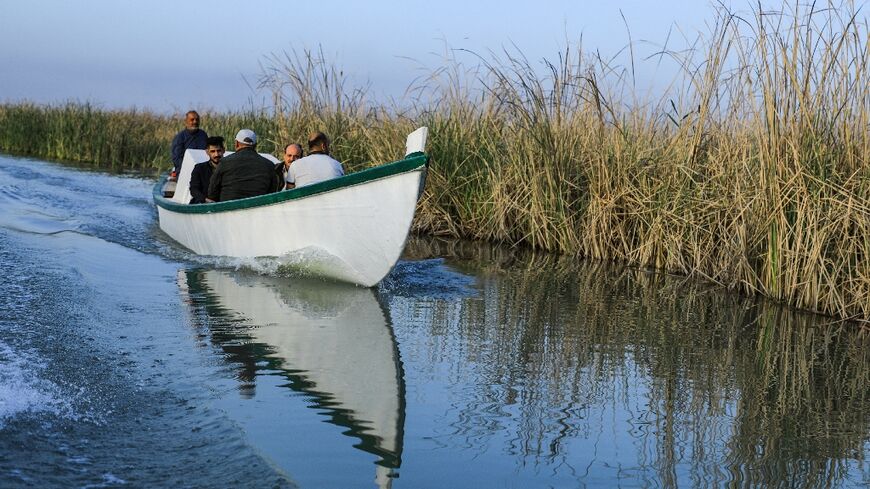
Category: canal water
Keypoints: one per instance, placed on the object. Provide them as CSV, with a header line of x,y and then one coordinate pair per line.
x,y
126,361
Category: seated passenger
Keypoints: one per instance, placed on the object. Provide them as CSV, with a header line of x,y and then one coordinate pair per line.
x,y
191,137
244,173
317,166
292,152
202,172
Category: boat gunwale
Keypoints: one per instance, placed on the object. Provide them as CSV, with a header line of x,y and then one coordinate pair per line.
x,y
411,162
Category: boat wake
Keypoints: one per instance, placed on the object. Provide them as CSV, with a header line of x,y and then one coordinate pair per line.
x,y
24,391
430,278
24,214
40,198
306,263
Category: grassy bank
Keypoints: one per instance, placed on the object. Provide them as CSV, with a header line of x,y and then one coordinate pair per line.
x,y
116,139
751,170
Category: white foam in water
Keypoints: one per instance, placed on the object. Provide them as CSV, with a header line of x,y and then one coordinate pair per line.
x,y
109,480
23,391
302,263
261,265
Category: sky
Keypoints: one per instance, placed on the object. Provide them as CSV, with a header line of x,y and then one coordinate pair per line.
x,y
168,56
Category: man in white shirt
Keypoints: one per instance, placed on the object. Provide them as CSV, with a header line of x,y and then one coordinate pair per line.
x,y
316,167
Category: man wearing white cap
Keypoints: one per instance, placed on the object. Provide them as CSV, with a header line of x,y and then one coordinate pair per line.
x,y
244,173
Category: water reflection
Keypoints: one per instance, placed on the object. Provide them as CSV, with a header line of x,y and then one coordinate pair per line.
x,y
530,370
331,342
582,368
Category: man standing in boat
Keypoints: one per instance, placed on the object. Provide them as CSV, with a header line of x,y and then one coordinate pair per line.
x,y
317,166
202,172
244,173
292,152
191,137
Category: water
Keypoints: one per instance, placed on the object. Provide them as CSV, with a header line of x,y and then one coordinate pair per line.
x,y
125,361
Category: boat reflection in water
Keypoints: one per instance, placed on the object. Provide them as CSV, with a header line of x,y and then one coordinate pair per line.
x,y
333,342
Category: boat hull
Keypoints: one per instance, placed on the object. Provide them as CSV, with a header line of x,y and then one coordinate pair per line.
x,y
353,233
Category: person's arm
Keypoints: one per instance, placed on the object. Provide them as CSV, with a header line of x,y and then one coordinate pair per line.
x,y
277,175
202,142
177,152
214,186
197,192
290,179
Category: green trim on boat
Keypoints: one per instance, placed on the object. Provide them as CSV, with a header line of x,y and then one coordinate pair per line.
x,y
412,162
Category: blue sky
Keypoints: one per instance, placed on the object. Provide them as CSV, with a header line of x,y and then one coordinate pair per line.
x,y
171,55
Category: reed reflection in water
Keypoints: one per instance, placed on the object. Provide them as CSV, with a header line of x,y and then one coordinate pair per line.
x,y
530,370
603,374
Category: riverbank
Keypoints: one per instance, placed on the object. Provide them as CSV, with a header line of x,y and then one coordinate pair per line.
x,y
751,171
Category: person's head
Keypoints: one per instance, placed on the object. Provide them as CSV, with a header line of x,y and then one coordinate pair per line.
x,y
317,141
292,152
191,120
245,139
214,146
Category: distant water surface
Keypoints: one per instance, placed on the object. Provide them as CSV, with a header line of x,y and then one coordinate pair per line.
x,y
126,361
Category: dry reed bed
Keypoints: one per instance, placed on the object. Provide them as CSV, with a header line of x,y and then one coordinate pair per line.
x,y
751,170
754,175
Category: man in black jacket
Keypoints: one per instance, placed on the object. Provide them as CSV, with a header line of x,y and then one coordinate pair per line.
x,y
202,172
244,173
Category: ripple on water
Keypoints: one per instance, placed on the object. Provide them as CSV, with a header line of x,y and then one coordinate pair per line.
x,y
108,480
430,279
24,391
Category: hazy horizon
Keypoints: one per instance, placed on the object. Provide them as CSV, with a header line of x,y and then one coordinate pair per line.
x,y
171,57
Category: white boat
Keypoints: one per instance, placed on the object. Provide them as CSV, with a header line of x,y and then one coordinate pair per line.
x,y
352,228
333,342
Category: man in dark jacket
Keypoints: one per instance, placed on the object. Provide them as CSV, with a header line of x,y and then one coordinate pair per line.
x,y
191,137
200,177
244,173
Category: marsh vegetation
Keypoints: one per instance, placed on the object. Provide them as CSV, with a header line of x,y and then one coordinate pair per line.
x,y
750,170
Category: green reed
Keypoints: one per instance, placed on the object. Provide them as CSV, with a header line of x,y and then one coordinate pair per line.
x,y
131,139
750,170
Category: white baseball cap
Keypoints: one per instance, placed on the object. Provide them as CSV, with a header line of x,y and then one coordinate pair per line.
x,y
246,136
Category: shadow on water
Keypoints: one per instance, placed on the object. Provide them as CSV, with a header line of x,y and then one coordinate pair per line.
x,y
717,388
331,342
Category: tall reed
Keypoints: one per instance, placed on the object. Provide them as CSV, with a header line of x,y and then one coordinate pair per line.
x,y
753,173
750,170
